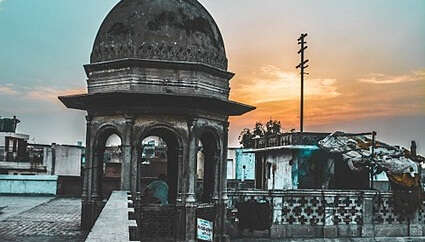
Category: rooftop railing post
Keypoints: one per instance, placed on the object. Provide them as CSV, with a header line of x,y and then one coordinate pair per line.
x,y
372,159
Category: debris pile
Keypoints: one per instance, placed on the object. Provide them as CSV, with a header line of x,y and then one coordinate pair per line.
x,y
356,150
401,165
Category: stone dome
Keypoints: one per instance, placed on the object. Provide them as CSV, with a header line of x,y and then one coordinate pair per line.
x,y
167,30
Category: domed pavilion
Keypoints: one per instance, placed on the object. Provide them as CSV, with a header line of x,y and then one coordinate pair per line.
x,y
158,82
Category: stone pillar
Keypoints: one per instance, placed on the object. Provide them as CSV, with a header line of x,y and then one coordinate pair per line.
x,y
222,185
181,194
85,193
181,170
189,178
95,182
127,173
368,230
217,171
223,175
330,229
190,164
136,167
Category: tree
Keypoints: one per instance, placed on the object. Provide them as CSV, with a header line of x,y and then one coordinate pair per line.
x,y
273,127
245,138
258,130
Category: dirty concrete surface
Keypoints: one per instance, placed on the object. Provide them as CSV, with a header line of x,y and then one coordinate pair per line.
x,y
37,219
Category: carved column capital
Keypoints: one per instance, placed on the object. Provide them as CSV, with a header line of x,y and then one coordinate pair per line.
x,y
191,123
129,119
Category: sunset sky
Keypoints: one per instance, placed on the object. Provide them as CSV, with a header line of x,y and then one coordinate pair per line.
x,y
367,64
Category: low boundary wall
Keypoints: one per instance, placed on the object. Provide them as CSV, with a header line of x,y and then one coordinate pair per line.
x,y
69,186
113,223
28,185
334,214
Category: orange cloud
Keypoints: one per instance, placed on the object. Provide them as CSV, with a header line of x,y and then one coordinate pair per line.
x,y
51,94
327,102
378,78
42,93
6,90
271,83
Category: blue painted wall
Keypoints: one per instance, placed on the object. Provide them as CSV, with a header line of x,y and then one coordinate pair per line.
x,y
36,185
247,160
302,167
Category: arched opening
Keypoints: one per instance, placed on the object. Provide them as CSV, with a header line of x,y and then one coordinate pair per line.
x,y
112,157
159,166
108,161
207,157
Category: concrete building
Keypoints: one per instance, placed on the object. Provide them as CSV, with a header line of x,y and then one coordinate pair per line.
x,y
14,156
18,157
65,162
60,160
46,164
284,162
240,168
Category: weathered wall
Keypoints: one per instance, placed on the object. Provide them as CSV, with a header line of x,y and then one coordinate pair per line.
x,y
47,159
280,171
46,185
155,80
63,160
295,168
247,160
67,160
231,163
69,186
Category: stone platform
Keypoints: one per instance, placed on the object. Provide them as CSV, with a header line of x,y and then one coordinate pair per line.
x,y
57,219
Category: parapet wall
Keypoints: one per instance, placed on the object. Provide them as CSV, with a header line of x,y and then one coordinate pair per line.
x,y
113,223
334,214
28,185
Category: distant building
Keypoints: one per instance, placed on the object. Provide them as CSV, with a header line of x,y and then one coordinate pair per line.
x,y
17,157
60,160
240,168
14,156
294,161
287,161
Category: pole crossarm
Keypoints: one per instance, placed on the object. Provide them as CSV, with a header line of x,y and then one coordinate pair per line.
x,y
302,64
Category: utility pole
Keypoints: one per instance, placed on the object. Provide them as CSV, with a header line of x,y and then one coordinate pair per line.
x,y
302,66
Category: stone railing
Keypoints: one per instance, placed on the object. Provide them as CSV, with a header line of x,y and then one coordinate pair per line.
x,y
165,222
305,138
331,214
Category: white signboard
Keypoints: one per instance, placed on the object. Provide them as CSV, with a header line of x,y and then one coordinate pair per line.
x,y
205,230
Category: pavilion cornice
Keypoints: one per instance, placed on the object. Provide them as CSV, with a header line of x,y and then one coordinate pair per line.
x,y
132,100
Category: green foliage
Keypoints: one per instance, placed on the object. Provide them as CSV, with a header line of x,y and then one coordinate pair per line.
x,y
246,138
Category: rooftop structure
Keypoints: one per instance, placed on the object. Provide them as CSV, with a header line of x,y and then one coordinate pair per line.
x,y
159,68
